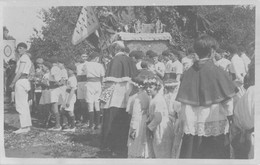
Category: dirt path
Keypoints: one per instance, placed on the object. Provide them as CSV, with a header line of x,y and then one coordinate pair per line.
x,y
41,143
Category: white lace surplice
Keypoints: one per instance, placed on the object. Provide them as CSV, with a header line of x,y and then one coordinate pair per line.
x,y
206,121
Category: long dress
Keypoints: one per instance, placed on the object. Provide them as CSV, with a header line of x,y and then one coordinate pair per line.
x,y
174,108
138,147
160,125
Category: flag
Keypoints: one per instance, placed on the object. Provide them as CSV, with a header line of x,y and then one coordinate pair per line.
x,y
86,25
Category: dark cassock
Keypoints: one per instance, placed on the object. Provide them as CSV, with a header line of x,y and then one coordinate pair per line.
x,y
205,94
114,97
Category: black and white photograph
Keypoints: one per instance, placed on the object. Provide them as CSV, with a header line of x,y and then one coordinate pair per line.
x,y
129,82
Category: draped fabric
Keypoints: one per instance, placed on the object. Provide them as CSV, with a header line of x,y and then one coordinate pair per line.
x,y
205,84
121,68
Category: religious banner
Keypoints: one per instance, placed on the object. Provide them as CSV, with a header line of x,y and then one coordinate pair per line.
x,y
87,24
8,49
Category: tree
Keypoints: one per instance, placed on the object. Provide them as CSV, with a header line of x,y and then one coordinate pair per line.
x,y
228,24
55,38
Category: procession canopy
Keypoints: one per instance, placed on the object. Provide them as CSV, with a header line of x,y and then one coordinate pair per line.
x,y
141,36
157,42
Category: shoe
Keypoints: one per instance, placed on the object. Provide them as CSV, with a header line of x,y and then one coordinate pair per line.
x,y
22,130
55,129
69,129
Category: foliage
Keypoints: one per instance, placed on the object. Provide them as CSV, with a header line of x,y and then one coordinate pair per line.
x,y
55,38
228,24
234,24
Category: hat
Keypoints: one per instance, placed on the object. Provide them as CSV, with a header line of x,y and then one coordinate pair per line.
x,y
72,67
151,54
22,44
39,60
53,59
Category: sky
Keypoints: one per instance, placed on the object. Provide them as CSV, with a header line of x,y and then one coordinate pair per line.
x,y
20,21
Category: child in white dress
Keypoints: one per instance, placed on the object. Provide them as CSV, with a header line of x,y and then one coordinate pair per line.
x,y
137,139
159,126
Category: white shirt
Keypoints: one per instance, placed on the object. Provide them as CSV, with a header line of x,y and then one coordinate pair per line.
x,y
79,68
223,63
168,67
24,59
93,69
246,60
177,67
238,66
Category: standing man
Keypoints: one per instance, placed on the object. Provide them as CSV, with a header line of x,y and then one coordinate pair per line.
x,y
82,110
22,87
115,119
94,72
55,81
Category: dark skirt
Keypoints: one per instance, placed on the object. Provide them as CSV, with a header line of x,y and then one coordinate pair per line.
x,y
115,127
201,147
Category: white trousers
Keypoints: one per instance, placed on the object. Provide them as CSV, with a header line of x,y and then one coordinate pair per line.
x,y
22,86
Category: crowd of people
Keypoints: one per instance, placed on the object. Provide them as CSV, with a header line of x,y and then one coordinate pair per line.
x,y
197,104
